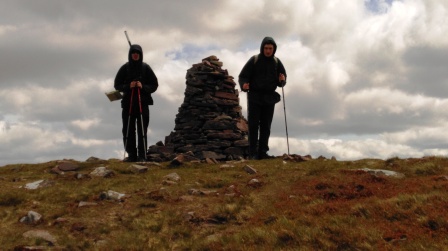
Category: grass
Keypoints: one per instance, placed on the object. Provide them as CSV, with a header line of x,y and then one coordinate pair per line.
x,y
313,205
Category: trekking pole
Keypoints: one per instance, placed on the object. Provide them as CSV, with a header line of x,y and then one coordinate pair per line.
x,y
284,111
248,127
127,128
129,41
141,120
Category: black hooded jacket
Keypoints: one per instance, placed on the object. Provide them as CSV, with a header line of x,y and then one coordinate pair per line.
x,y
136,70
263,74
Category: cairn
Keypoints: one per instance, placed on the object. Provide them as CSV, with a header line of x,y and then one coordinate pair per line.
x,y
209,124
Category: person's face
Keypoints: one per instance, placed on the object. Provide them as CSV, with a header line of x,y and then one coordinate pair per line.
x,y
135,56
268,50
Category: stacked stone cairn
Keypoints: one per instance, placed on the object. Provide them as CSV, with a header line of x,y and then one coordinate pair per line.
x,y
209,124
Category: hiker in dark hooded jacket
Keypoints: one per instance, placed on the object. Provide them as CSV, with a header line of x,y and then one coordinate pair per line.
x,y
260,77
135,75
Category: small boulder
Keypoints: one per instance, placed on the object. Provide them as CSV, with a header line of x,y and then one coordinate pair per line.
x,y
138,168
102,172
249,169
31,218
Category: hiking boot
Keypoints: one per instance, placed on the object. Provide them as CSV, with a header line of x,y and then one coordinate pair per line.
x,y
141,159
265,156
253,157
130,159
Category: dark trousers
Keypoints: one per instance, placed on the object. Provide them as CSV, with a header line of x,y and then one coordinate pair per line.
x,y
135,124
260,120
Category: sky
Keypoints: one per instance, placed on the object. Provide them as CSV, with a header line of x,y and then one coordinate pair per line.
x,y
366,78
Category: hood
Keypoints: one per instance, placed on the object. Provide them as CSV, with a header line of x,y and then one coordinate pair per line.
x,y
268,40
138,48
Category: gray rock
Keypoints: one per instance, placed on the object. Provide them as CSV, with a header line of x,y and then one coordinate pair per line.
x,y
66,166
138,168
112,195
31,218
254,181
39,184
40,234
173,177
249,169
102,172
94,160
169,183
202,192
86,204
380,172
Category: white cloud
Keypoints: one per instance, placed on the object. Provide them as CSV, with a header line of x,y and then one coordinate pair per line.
x,y
232,14
365,78
85,124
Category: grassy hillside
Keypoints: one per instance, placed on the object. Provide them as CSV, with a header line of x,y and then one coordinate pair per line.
x,y
313,205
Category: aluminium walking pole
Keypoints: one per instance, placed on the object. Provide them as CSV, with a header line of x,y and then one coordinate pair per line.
x,y
284,111
127,128
248,128
129,41
141,120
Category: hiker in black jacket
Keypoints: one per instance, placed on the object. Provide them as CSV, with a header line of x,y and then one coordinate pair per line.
x,y
260,76
135,77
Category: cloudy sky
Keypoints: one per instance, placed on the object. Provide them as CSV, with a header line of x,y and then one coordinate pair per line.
x,y
366,78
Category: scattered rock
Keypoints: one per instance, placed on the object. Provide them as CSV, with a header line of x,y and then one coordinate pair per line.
x,y
101,243
39,184
296,157
31,218
41,234
56,170
30,248
178,161
249,169
169,183
254,183
321,158
138,168
80,176
226,166
202,192
186,198
94,160
67,166
86,204
380,172
211,161
60,220
102,172
112,195
172,177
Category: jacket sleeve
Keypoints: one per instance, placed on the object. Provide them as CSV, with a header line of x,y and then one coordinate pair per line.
x,y
120,80
281,69
246,73
151,83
